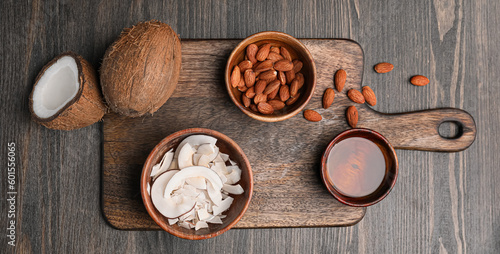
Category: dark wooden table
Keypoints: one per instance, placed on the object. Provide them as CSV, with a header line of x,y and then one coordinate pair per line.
x,y
442,202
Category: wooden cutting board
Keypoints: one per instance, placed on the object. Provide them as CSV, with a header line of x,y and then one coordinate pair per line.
x,y
285,156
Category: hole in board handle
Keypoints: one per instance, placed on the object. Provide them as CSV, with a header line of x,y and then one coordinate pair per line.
x,y
451,129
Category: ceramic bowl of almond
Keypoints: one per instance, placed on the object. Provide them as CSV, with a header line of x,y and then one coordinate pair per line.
x,y
270,76
196,183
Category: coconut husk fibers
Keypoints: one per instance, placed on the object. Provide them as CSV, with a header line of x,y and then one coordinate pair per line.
x,y
86,108
141,68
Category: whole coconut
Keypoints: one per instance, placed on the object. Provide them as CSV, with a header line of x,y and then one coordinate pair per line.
x,y
141,68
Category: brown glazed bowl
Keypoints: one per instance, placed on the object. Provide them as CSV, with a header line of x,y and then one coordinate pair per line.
x,y
239,205
297,51
391,171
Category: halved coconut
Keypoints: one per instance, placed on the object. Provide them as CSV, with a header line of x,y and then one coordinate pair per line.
x,y
66,94
141,68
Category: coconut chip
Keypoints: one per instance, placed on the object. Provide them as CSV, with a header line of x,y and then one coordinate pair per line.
x,y
198,191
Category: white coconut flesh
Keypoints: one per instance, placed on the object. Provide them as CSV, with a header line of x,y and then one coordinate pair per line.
x,y
197,191
58,85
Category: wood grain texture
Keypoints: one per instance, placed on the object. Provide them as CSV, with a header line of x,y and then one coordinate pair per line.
x,y
442,202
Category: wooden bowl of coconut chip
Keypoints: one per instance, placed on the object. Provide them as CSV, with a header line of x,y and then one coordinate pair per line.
x,y
196,183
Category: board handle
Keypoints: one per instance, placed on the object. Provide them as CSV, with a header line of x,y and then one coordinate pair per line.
x,y
419,130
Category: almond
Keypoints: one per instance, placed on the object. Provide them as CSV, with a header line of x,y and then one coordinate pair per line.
x,y
249,77
251,52
294,87
290,75
235,76
245,65
242,89
369,95
260,86
274,85
273,56
284,93
283,65
250,93
292,100
300,78
352,116
263,52
268,75
253,107
297,65
312,115
340,78
241,84
276,104
245,100
282,77
259,98
264,66
272,95
265,108
419,80
383,67
284,52
275,50
356,96
328,97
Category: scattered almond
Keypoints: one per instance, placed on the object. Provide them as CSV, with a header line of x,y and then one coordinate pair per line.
x,y
369,95
352,116
265,108
312,115
419,80
263,52
356,96
328,97
383,67
340,78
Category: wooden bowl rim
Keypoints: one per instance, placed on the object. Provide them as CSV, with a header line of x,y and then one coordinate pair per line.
x,y
158,218
256,37
354,133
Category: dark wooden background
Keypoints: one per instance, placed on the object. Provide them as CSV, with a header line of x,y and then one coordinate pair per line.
x,y
442,202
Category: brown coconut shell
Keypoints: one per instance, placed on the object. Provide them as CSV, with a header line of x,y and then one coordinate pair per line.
x,y
141,68
86,108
